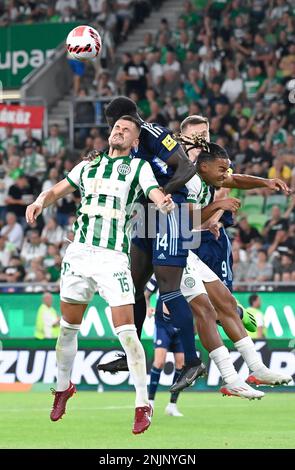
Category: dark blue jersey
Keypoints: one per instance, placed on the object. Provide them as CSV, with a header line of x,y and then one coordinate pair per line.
x,y
156,145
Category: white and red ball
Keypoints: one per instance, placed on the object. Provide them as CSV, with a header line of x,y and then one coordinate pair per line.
x,y
84,43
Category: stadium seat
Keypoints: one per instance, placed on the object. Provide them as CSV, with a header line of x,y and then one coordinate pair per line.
x,y
276,200
257,221
253,204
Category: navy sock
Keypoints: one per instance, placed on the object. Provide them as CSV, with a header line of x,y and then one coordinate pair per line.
x,y
182,318
139,314
155,377
174,396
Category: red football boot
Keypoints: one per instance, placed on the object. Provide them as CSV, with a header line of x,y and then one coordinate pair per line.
x,y
142,419
60,401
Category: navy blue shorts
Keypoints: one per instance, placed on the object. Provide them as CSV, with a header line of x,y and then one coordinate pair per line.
x,y
167,337
217,254
165,242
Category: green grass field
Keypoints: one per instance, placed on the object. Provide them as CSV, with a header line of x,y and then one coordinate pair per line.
x,y
104,421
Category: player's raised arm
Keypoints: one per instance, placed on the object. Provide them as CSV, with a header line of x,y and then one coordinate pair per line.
x,y
46,198
184,170
236,180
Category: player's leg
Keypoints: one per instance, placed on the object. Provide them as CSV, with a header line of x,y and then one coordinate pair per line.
x,y
169,279
194,291
217,255
225,306
141,271
116,286
123,321
171,409
76,291
160,353
169,259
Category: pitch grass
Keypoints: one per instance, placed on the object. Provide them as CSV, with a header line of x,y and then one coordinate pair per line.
x,y
104,421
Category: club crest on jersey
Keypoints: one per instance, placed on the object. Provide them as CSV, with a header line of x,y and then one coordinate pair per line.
x,y
190,282
124,169
169,142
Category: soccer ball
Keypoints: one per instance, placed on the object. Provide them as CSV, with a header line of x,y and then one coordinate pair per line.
x,y
84,43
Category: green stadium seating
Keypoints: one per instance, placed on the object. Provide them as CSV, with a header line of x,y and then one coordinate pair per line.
x,y
276,200
253,204
257,221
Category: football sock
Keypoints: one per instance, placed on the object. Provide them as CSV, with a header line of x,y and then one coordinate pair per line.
x,y
222,359
139,313
154,382
66,349
174,395
135,360
182,318
246,348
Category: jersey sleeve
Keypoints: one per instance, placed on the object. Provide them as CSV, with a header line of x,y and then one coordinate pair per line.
x,y
194,186
74,176
160,141
147,179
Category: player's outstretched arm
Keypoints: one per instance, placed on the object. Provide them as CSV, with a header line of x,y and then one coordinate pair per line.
x,y
46,198
251,182
184,171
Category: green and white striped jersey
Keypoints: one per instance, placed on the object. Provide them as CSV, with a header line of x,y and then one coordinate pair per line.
x,y
109,189
198,191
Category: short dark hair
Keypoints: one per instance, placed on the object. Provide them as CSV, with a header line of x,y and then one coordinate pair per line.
x,y
215,152
194,119
135,121
252,299
119,107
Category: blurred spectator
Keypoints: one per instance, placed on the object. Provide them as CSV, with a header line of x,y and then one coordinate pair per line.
x,y
260,270
5,253
78,68
10,139
14,272
47,321
53,272
247,233
54,147
124,14
19,196
52,233
285,268
31,141
12,231
274,229
33,248
33,163
84,115
136,74
66,207
279,170
232,87
255,306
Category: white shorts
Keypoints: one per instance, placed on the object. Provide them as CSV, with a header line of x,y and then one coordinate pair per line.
x,y
194,276
86,270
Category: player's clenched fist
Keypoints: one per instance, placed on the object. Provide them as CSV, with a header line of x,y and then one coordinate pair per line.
x,y
166,205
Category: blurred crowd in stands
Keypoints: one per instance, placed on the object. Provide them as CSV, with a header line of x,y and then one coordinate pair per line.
x,y
232,61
